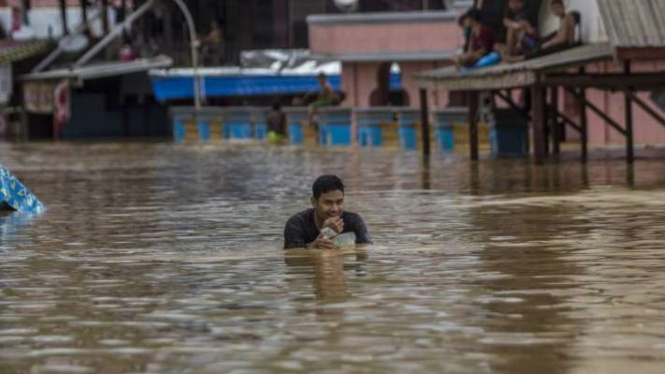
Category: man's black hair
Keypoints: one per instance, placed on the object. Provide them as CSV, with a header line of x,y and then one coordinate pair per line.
x,y
472,13
326,183
276,105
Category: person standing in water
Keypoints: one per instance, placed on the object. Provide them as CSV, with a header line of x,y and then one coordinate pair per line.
x,y
276,124
313,228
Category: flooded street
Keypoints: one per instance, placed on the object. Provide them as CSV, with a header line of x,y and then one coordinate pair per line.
x,y
157,258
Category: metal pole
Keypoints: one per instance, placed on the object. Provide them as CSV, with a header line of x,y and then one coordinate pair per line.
x,y
424,122
630,153
473,124
195,58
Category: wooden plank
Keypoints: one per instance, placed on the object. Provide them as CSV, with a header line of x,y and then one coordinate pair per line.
x,y
637,81
538,115
554,115
655,115
641,53
630,152
599,112
424,122
473,124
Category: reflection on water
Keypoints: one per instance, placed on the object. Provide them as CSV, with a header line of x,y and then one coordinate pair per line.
x,y
154,258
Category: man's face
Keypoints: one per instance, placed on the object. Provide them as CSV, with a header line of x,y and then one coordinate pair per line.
x,y
516,5
558,10
329,204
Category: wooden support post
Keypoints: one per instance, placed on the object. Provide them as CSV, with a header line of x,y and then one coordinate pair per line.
x,y
84,15
538,115
63,16
508,100
584,120
630,153
105,16
25,16
655,115
554,115
424,122
473,98
547,131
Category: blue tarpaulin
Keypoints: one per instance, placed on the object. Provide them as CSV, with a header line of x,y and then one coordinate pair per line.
x,y
182,87
16,196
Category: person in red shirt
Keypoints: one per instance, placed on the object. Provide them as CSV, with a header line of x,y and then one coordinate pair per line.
x,y
482,39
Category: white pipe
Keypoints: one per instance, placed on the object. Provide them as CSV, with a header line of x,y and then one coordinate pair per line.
x,y
58,51
117,31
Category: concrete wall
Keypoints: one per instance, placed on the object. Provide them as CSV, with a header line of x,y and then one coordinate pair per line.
x,y
592,26
360,79
382,34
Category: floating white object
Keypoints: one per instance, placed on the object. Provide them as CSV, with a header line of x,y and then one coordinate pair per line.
x,y
347,239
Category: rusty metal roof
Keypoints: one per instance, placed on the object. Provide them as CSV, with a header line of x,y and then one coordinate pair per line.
x,y
11,51
519,74
634,23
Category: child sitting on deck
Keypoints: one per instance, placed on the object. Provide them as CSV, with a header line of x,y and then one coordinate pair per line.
x,y
481,42
521,36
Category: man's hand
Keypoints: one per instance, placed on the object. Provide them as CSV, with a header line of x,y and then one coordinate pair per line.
x,y
321,243
335,223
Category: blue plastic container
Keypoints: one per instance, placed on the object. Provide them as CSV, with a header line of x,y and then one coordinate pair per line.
x,y
408,118
444,126
295,118
204,128
238,123
509,134
334,127
369,121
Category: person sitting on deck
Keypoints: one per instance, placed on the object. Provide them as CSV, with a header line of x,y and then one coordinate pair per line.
x,y
560,40
481,42
316,227
326,96
564,37
521,36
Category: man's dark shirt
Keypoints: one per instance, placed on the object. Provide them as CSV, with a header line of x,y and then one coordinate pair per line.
x,y
301,230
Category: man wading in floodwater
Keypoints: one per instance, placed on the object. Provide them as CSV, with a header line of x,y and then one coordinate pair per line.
x,y
316,228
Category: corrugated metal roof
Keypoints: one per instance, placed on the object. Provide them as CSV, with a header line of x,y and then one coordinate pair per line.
x,y
101,70
512,75
634,23
11,51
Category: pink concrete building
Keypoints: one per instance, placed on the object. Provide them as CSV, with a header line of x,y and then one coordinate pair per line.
x,y
424,41
368,44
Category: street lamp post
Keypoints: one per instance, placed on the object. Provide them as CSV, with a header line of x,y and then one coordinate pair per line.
x,y
195,55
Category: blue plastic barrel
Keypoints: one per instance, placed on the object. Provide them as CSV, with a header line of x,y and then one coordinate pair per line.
x,y
369,121
334,126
